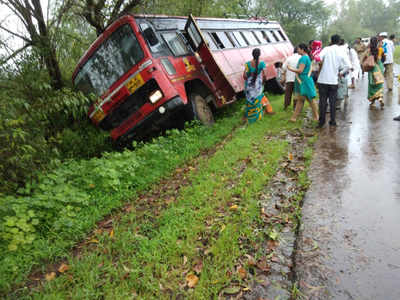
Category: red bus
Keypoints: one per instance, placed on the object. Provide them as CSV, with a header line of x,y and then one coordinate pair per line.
x,y
150,71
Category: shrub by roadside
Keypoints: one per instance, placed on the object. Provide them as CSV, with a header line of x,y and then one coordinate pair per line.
x,y
36,134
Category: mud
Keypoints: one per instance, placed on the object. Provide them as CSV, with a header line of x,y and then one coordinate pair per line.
x,y
349,245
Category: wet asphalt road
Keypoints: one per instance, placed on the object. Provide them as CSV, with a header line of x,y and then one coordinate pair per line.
x,y
349,243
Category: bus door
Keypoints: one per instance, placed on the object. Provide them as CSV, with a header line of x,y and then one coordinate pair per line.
x,y
223,89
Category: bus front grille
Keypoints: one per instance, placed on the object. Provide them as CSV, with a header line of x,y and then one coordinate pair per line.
x,y
130,106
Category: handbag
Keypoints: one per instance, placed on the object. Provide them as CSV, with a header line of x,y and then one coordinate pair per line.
x,y
368,63
378,77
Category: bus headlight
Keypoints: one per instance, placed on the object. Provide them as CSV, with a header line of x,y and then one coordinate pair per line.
x,y
155,96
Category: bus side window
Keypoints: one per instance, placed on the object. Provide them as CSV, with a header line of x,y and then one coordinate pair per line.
x,y
217,40
232,39
266,37
244,38
242,42
257,38
270,36
224,39
251,40
274,35
159,49
260,37
210,41
282,35
176,44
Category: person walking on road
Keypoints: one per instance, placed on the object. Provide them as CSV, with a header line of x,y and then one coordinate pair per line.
x,y
388,47
304,88
375,76
360,48
355,67
332,61
343,91
292,62
254,76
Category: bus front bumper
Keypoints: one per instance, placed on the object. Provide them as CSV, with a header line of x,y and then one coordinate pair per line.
x,y
155,121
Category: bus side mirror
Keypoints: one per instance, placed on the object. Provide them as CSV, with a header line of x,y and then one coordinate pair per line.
x,y
150,36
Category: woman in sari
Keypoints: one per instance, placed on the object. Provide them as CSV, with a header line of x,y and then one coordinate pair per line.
x,y
304,88
254,86
375,76
316,48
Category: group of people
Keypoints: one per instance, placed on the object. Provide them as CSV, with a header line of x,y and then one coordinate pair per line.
x,y
332,69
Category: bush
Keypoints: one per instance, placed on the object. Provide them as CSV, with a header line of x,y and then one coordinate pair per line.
x,y
83,141
50,128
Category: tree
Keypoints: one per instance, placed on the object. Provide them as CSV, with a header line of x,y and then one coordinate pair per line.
x,y
101,13
366,18
37,35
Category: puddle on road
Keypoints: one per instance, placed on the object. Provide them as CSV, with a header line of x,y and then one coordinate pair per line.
x,y
352,210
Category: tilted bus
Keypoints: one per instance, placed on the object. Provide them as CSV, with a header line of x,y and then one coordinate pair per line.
x,y
152,70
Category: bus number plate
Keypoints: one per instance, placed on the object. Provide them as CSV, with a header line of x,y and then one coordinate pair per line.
x,y
135,83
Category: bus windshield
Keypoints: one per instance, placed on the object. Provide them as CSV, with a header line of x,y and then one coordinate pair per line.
x,y
114,57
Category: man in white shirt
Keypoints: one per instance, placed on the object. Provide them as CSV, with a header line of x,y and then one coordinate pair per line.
x,y
291,61
343,91
388,47
355,67
334,64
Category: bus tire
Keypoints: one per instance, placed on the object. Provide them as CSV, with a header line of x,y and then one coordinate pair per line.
x,y
273,85
201,110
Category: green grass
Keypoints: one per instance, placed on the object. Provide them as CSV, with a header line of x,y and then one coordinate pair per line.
x,y
65,204
152,251
397,55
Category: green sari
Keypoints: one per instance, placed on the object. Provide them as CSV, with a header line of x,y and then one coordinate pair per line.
x,y
375,83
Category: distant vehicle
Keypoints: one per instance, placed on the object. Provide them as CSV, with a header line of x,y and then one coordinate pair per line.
x,y
365,41
151,71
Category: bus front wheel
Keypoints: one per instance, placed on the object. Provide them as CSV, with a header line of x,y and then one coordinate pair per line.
x,y
200,109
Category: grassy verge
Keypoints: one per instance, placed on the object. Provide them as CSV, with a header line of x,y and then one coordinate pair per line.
x,y
52,214
195,246
397,55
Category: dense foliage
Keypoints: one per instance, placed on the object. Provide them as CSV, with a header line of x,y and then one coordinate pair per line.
x,y
40,125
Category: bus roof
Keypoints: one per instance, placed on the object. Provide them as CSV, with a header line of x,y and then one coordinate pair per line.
x,y
163,22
